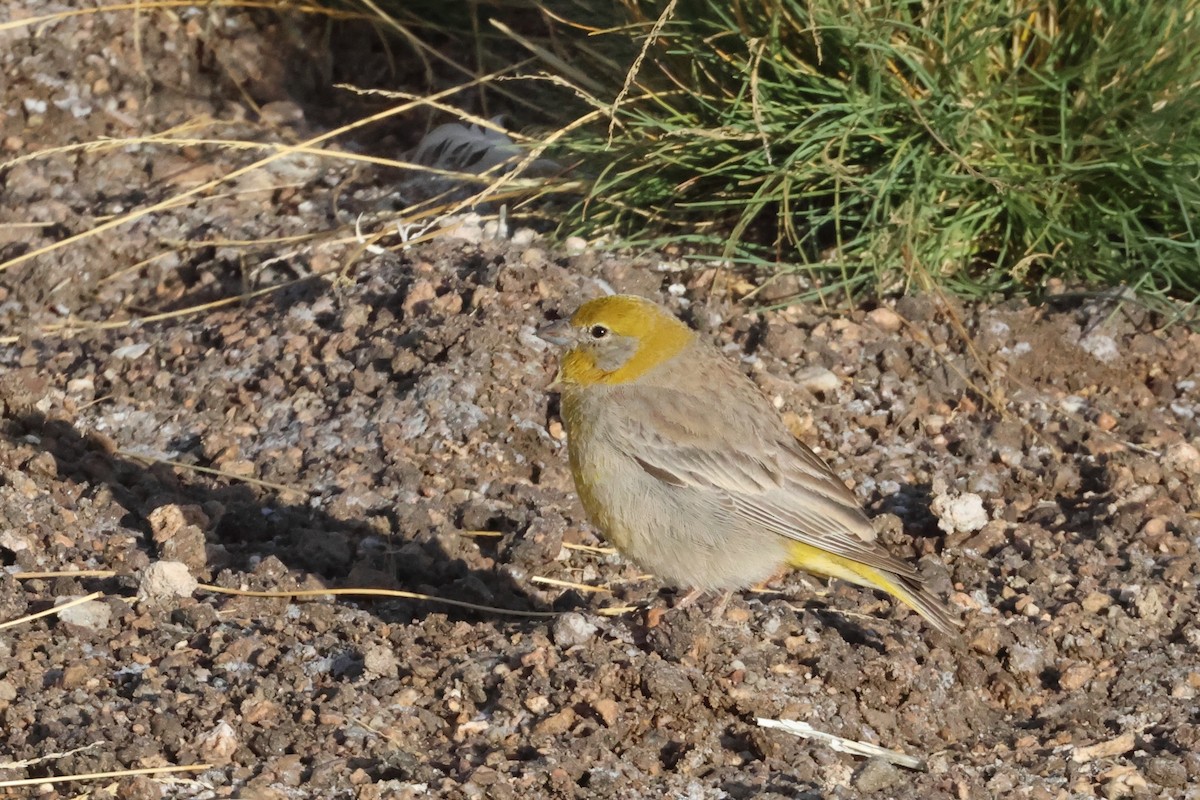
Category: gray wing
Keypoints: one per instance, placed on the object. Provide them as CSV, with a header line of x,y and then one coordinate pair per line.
x,y
765,477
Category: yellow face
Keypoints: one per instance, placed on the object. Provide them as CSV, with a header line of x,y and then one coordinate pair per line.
x,y
615,339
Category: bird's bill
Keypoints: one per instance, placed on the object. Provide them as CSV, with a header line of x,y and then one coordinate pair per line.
x,y
557,332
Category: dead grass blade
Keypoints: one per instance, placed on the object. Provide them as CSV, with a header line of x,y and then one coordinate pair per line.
x,y
284,151
29,762
280,594
93,776
396,593
51,611
561,584
278,487
150,5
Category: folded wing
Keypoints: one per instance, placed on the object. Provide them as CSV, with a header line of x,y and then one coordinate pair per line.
x,y
765,477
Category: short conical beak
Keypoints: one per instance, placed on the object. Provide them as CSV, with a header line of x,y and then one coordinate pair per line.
x,y
557,332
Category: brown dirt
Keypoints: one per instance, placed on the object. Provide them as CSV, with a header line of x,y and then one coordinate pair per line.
x,y
403,403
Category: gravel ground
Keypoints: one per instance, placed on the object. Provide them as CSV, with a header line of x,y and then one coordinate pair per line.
x,y
1042,465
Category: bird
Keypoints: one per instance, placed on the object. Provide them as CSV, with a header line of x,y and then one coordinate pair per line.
x,y
688,470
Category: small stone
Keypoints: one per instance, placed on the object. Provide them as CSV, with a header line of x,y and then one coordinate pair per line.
x,y
1103,348
179,533
13,602
574,245
962,513
14,541
538,704
131,352
817,380
523,237
1168,772
1096,602
738,615
1027,607
607,709
1076,676
987,641
1183,457
885,319
877,775
1113,747
1154,528
1025,660
281,112
1123,781
166,580
467,227
1148,604
93,615
533,257
381,662
75,676
219,744
989,537
572,629
420,295
557,724
1186,689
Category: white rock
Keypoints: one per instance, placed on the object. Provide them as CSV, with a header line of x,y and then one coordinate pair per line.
x,y
81,386
523,237
1183,457
14,541
962,513
131,351
885,319
93,615
219,744
818,380
1102,348
468,227
164,580
572,629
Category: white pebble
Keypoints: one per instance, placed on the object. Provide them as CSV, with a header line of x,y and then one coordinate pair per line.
x,y
164,580
523,237
1100,347
131,351
572,629
963,513
93,615
818,380
885,319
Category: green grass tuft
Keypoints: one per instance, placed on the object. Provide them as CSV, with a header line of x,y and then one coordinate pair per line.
x,y
979,145
874,146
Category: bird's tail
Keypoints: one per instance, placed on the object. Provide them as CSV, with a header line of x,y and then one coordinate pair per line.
x,y
906,590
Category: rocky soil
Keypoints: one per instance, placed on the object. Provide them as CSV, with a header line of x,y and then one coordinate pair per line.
x,y
380,419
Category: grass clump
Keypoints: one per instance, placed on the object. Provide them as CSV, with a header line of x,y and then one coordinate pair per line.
x,y
983,145
975,145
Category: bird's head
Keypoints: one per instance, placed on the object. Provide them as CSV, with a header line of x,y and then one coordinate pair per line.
x,y
615,339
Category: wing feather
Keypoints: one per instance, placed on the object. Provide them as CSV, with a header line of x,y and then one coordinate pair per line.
x,y
766,477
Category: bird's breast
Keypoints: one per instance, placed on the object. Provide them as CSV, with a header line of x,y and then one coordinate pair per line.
x,y
592,459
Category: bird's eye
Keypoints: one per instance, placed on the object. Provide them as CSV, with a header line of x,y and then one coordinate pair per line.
x,y
598,331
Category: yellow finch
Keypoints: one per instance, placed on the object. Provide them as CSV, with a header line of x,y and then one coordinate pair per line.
x,y
687,469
